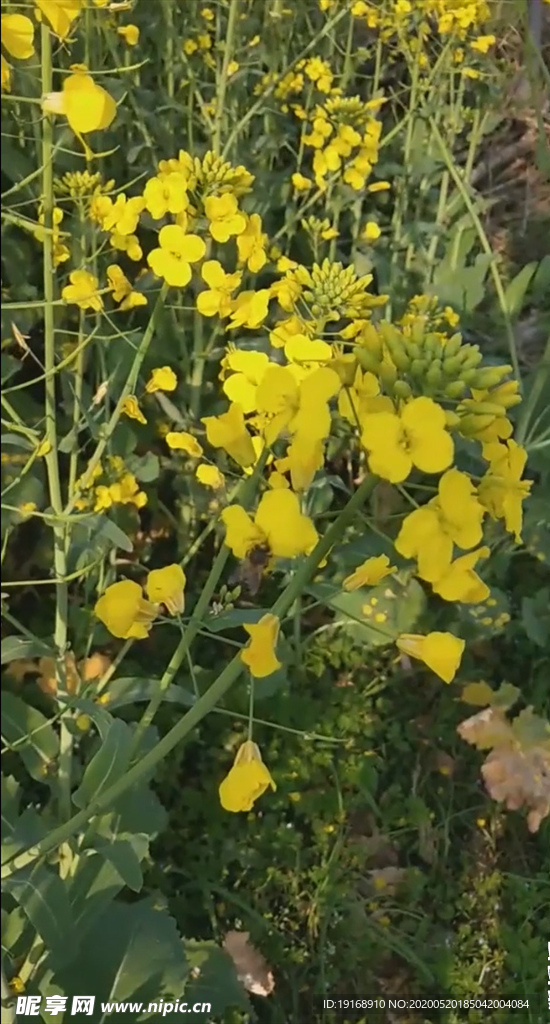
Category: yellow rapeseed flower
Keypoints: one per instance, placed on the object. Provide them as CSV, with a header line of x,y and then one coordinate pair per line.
x,y
166,193
210,476
124,610
87,106
415,437
459,582
122,290
442,652
225,218
278,523
162,378
179,440
17,35
83,291
60,14
259,655
166,586
247,780
251,244
131,409
228,431
369,573
217,300
177,250
250,309
130,34
501,490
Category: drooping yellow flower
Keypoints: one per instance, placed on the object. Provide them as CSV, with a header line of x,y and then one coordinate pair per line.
x,y
502,491
179,440
162,378
229,432
210,476
369,573
17,35
415,437
278,524
176,252
454,517
259,655
459,581
224,215
87,106
83,291
60,14
124,610
442,652
217,300
247,780
166,586
122,290
131,409
130,34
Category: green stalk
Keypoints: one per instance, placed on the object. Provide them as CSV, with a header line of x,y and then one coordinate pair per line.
x,y
199,611
221,85
51,459
127,389
484,242
204,705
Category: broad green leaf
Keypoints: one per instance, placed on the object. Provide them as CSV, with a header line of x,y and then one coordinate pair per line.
x,y
146,468
514,296
535,616
132,952
487,619
375,615
216,982
21,833
42,896
125,854
107,765
505,697
14,647
115,535
131,689
531,730
29,732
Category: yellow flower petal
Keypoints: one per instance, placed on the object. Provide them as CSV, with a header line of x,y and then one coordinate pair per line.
x,y
260,655
166,586
247,781
442,652
369,573
18,35
124,611
181,441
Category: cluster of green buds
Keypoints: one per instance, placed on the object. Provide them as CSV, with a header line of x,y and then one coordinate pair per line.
x,y
426,363
334,292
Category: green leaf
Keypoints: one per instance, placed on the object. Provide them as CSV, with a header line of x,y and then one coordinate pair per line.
x,y
535,616
146,468
531,730
216,982
14,647
514,296
487,619
42,896
398,604
29,732
115,535
107,765
131,689
234,618
125,855
132,952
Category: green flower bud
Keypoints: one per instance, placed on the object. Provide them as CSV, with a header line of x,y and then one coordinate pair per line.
x,y
432,346
434,374
387,374
455,389
490,376
452,346
452,366
367,360
486,409
412,348
471,425
472,357
398,354
418,367
468,375
401,389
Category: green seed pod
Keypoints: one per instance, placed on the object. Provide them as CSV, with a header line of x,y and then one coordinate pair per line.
x,y
455,389
401,389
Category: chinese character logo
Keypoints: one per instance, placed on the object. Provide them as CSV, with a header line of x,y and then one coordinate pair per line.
x,y
83,1004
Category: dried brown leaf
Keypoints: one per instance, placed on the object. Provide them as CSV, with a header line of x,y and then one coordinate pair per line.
x,y
489,728
252,969
520,778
